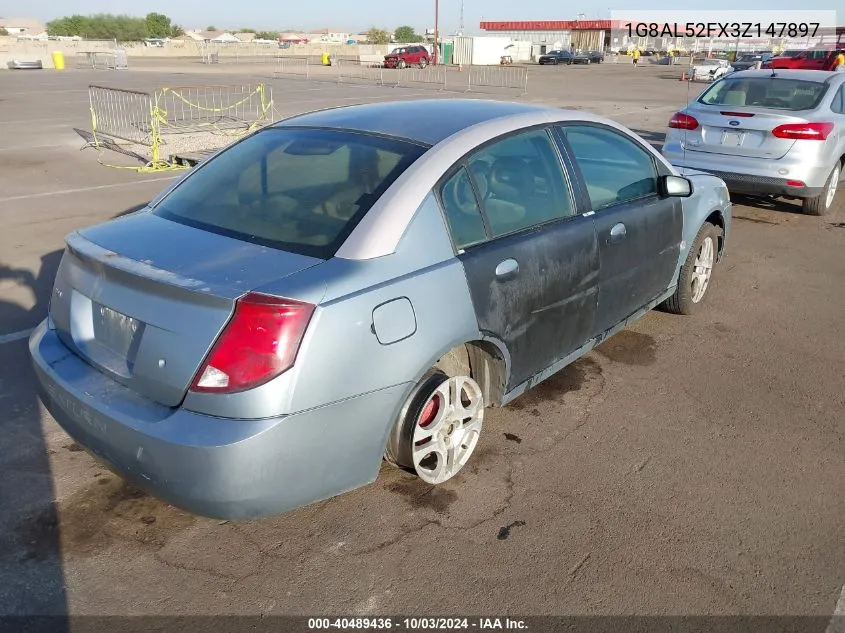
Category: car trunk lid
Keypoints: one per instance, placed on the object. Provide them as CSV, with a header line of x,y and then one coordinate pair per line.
x,y
739,131
146,309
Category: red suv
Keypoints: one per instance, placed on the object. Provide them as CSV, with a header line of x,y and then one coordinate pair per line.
x,y
814,59
407,56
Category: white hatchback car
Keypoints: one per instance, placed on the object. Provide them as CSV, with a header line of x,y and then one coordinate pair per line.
x,y
767,133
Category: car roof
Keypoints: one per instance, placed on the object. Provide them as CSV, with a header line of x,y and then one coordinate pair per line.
x,y
817,76
426,121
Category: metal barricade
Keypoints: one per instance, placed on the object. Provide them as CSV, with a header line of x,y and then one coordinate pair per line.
x,y
354,71
431,76
122,114
498,78
289,66
212,108
177,119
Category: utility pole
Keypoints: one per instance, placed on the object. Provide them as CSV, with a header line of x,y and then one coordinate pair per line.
x,y
436,18
462,16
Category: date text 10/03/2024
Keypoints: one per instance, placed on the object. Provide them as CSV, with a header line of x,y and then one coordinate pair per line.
x,y
733,30
418,624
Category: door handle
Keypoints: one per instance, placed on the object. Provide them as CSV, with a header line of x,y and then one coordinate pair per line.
x,y
617,233
507,269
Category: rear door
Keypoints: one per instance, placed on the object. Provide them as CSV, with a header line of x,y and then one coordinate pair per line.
x,y
531,259
639,232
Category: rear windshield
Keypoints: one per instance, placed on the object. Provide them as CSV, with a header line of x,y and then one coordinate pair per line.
x,y
299,190
765,92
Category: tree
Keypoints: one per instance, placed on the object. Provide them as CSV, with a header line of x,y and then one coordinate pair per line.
x,y
247,31
3,31
177,31
405,34
158,25
102,26
267,35
378,36
211,28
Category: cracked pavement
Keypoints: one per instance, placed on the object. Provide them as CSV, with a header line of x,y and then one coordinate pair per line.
x,y
690,465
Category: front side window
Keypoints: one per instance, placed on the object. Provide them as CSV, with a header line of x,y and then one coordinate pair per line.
x,y
521,182
301,190
615,168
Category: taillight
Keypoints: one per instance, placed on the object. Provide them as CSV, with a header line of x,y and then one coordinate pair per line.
x,y
804,131
681,121
259,343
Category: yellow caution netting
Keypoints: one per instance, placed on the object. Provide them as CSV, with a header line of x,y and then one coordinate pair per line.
x,y
140,119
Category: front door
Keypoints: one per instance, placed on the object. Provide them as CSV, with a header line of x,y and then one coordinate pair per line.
x,y
531,260
639,232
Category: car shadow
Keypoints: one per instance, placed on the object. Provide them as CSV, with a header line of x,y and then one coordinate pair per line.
x,y
32,578
31,573
767,204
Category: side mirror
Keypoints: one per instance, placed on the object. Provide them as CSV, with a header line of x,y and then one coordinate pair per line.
x,y
675,187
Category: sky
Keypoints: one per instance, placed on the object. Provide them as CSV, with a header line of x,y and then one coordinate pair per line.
x,y
359,15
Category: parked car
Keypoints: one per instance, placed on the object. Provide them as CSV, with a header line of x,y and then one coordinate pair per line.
x,y
407,56
361,283
710,70
588,57
813,59
784,54
779,133
749,61
556,57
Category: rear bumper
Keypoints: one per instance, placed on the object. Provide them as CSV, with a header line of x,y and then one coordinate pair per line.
x,y
222,468
752,176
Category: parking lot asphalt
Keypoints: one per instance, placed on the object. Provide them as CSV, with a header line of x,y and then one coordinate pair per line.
x,y
690,465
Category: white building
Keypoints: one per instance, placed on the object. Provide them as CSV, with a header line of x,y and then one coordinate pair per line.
x,y
23,27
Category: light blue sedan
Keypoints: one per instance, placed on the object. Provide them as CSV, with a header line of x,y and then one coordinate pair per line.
x,y
359,284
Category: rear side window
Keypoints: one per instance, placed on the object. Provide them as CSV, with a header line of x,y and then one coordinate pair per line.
x,y
838,104
765,92
521,182
462,213
299,190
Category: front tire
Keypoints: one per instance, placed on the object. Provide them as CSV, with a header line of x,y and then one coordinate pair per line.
x,y
438,428
822,203
696,272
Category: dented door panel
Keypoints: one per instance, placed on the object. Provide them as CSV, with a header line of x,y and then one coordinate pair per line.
x,y
546,307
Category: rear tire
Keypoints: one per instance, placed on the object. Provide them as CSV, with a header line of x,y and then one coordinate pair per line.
x,y
433,438
822,203
695,276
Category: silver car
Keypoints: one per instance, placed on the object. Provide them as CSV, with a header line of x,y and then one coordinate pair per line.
x,y
767,133
357,284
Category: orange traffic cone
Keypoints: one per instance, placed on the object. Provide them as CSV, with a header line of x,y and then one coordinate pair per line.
x,y
683,76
